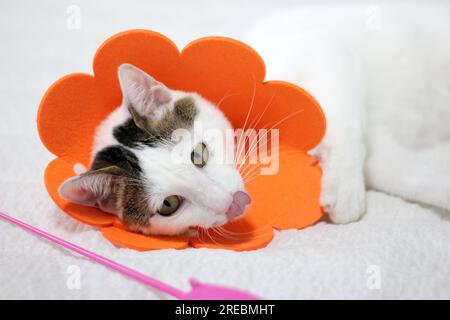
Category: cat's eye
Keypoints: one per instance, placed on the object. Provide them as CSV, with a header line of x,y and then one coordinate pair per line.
x,y
169,206
199,156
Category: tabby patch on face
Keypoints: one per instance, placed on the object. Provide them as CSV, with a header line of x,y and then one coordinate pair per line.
x,y
126,185
141,130
119,156
134,203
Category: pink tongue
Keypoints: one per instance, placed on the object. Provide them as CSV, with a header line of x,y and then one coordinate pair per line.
x,y
237,207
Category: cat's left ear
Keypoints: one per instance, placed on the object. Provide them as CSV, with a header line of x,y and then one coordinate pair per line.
x,y
141,91
95,188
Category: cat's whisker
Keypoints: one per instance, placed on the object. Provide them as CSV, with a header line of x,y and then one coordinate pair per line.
x,y
249,181
220,232
253,124
242,235
200,235
211,237
250,177
252,168
268,223
276,124
246,118
226,96
250,165
257,166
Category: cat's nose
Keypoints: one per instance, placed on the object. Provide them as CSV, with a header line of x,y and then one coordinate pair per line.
x,y
237,207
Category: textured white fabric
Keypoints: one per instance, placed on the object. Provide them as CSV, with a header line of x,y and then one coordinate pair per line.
x,y
405,244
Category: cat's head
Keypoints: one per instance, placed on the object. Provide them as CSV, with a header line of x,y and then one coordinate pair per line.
x,y
161,161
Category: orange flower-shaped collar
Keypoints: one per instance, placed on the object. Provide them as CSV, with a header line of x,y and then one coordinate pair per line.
x,y
220,69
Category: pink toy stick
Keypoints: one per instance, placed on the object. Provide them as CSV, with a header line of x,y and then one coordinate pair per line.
x,y
199,290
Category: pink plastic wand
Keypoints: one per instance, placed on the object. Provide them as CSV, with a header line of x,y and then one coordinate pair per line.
x,y
199,290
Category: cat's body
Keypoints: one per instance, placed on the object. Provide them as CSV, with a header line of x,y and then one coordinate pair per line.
x,y
382,76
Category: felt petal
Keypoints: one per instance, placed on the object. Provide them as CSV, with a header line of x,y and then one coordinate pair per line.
x,y
288,199
292,111
234,238
68,114
127,239
224,71
149,51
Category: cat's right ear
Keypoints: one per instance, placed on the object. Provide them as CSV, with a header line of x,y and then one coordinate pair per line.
x,y
140,91
94,188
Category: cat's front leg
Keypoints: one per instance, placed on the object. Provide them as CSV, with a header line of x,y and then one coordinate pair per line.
x,y
339,88
343,189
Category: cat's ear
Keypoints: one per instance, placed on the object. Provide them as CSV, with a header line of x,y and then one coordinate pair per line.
x,y
141,91
95,188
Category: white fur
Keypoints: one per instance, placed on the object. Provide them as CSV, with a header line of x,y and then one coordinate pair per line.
x,y
380,72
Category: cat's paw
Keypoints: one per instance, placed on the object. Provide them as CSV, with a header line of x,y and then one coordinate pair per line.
x,y
343,197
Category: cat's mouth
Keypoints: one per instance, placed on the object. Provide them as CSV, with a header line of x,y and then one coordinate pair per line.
x,y
237,207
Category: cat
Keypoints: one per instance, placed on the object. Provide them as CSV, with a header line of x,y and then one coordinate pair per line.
x,y
133,171
382,75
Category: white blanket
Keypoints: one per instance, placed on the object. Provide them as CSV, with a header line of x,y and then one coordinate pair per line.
x,y
398,250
